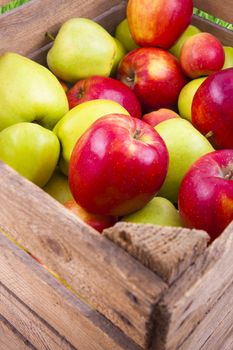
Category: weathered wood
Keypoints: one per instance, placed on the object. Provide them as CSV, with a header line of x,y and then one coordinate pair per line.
x,y
166,251
45,312
223,34
106,276
23,29
195,293
219,9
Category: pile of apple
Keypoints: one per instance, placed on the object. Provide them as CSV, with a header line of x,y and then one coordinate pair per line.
x,y
136,128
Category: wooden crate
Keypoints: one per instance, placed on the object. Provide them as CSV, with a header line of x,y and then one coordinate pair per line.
x,y
144,287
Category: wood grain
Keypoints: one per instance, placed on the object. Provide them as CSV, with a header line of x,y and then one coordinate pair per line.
x,y
43,310
102,273
219,9
166,251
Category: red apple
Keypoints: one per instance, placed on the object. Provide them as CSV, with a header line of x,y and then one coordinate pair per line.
x,y
117,166
202,54
212,109
206,193
104,88
156,117
154,75
98,222
159,22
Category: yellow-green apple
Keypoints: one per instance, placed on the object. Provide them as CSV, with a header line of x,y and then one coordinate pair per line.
x,y
58,187
206,193
189,31
154,75
185,145
159,211
228,63
82,48
158,22
77,121
120,53
29,92
202,54
212,108
98,222
117,166
104,88
31,150
186,95
156,117
123,34
64,85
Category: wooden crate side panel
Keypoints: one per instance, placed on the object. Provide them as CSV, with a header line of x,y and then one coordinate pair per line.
x,y
45,312
23,30
220,9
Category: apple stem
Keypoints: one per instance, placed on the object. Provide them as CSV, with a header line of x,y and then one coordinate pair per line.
x,y
50,36
209,134
229,175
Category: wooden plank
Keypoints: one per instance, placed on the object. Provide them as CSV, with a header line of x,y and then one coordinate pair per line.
x,y
109,278
188,300
43,310
11,339
219,9
23,29
223,34
168,252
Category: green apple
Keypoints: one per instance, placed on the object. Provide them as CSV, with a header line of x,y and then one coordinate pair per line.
x,y
58,187
120,53
82,48
159,211
29,92
186,96
123,34
228,57
185,145
77,121
190,31
31,150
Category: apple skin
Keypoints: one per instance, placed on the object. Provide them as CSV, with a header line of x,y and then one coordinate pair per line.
x,y
201,55
189,31
97,87
98,222
156,117
120,53
206,193
186,96
58,187
154,75
159,211
71,127
159,22
212,109
31,150
228,57
117,166
123,34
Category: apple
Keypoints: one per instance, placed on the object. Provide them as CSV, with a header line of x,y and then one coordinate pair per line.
x,y
64,86
156,117
185,145
123,34
160,22
212,109
189,31
120,53
98,222
71,127
159,211
117,166
82,48
154,75
228,63
201,55
29,92
206,193
98,87
31,150
58,187
186,96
